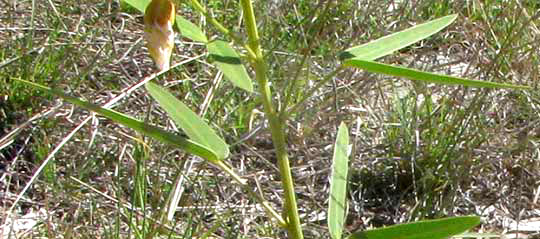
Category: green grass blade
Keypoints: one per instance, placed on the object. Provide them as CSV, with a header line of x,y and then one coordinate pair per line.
x,y
190,30
228,61
430,229
187,28
424,76
152,131
391,43
338,184
191,123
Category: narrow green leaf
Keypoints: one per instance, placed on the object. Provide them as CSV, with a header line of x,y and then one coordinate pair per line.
x,y
138,4
152,131
338,184
388,44
424,76
190,30
228,61
191,123
430,229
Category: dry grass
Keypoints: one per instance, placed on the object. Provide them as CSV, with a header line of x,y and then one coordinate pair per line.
x,y
421,151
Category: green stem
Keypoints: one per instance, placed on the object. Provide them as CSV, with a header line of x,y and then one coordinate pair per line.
x,y
251,54
199,7
223,166
276,124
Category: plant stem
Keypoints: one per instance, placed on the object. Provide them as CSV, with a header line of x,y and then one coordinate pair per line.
x,y
210,18
197,5
276,124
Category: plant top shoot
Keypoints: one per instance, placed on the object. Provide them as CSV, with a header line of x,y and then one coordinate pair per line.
x,y
158,31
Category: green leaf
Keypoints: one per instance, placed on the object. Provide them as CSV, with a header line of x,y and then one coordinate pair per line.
x,y
388,44
139,126
191,123
424,76
430,229
138,4
228,61
190,30
187,28
338,184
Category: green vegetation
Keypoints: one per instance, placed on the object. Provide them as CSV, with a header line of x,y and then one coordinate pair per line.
x,y
414,144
